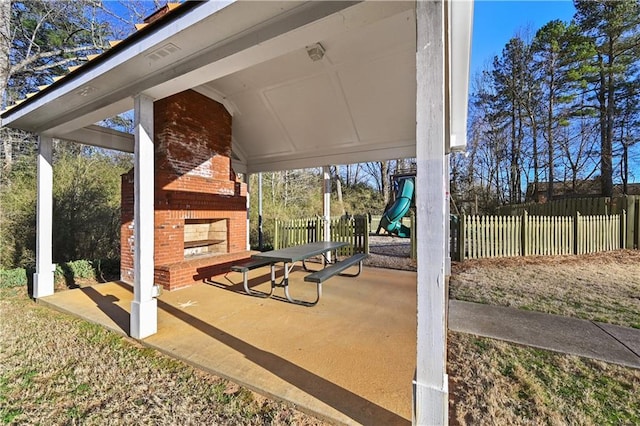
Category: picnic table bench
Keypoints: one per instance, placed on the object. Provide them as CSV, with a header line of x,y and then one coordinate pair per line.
x,y
247,266
337,268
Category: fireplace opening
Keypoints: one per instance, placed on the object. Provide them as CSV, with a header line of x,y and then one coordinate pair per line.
x,y
205,237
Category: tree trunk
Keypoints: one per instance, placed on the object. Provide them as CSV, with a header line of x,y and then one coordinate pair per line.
x,y
5,44
384,181
550,145
607,146
606,160
339,191
514,159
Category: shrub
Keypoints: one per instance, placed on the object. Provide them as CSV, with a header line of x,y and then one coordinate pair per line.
x,y
78,269
13,277
67,271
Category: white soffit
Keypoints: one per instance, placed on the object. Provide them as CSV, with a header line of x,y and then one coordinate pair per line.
x,y
227,35
102,137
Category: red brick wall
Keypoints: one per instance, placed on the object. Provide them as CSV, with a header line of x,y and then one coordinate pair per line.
x,y
193,137
126,228
193,180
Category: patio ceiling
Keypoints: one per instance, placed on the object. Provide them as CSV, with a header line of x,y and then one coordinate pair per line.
x,y
355,104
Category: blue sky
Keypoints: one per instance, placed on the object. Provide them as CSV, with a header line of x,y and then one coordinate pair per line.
x,y
495,22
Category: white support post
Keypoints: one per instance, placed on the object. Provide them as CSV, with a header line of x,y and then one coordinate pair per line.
x,y
260,220
144,307
43,277
430,387
247,180
447,213
326,205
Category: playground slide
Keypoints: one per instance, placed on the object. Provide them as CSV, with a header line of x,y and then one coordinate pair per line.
x,y
392,218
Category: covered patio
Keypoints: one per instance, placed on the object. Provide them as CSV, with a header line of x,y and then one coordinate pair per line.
x,y
347,360
306,84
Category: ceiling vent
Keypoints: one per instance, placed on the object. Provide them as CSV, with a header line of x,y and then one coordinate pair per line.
x,y
162,52
86,91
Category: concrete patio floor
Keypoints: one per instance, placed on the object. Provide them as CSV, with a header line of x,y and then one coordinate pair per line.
x,y
350,359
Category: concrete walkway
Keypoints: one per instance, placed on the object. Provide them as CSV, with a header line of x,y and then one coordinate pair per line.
x,y
590,339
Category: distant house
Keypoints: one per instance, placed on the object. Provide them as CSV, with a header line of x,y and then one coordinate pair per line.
x,y
581,188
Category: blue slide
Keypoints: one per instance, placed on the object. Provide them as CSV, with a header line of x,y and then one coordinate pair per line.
x,y
392,218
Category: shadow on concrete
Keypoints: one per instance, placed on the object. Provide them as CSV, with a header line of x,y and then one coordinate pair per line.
x,y
352,405
238,287
107,304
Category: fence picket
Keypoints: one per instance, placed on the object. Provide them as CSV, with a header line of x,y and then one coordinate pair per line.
x,y
502,236
353,230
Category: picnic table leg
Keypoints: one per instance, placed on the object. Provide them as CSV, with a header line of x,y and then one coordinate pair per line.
x,y
325,261
303,302
254,292
285,284
356,274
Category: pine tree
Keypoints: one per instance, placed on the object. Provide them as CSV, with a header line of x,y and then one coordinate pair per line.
x,y
614,29
510,78
560,53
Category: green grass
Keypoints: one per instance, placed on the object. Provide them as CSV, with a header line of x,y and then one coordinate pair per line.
x,y
519,385
8,415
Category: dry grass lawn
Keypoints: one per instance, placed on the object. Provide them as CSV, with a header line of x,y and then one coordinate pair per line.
x,y
494,382
497,383
601,287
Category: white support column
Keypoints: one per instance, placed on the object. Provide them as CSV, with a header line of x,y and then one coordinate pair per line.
x,y
260,219
326,204
43,277
144,308
430,387
247,180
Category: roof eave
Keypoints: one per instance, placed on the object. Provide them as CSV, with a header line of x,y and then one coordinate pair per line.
x,y
57,83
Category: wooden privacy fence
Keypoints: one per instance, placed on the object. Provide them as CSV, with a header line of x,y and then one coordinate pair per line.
x,y
563,207
593,206
353,230
475,237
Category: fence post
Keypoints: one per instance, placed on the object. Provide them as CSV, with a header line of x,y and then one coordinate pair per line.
x,y
576,233
412,235
276,243
316,225
623,229
461,240
367,229
523,234
631,229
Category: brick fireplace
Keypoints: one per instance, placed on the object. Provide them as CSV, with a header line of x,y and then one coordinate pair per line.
x,y
200,216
